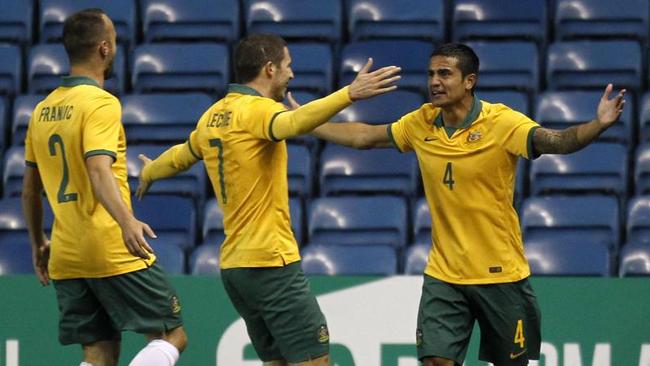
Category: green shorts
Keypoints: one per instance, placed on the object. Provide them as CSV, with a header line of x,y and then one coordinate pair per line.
x,y
507,313
282,316
96,309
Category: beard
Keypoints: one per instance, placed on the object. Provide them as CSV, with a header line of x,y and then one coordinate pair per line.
x,y
108,71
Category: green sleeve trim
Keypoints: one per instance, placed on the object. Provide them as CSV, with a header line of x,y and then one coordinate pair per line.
x,y
112,154
31,164
192,151
271,126
531,148
389,131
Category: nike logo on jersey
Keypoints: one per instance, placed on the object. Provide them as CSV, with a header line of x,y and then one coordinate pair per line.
x,y
428,139
516,355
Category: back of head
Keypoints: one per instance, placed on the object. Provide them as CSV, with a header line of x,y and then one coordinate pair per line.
x,y
253,52
468,62
82,32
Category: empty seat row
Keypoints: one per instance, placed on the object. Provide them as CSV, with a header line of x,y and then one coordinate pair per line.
x,y
219,20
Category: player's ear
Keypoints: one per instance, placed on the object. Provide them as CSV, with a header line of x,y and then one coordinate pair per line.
x,y
470,81
269,69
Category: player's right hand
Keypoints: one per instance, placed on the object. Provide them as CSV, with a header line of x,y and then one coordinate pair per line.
x,y
143,186
133,234
40,258
368,84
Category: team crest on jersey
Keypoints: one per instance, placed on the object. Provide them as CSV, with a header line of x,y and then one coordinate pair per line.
x,y
323,334
176,305
474,136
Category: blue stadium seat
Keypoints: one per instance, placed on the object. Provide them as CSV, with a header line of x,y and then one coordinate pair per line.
x,y
601,19
644,119
562,109
415,259
306,19
10,69
47,63
3,123
589,64
505,19
638,220
191,182
382,109
571,219
172,218
386,171
635,260
205,260
190,20
52,14
514,99
299,171
162,118
386,53
213,231
642,170
178,67
568,257
23,107
12,223
349,260
345,221
421,222
413,19
598,168
14,167
507,65
16,21
16,258
170,257
312,67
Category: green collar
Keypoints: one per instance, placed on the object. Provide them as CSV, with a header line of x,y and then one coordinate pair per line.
x,y
243,89
70,81
471,116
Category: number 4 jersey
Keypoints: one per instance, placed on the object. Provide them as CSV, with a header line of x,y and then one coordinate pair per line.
x,y
469,178
76,121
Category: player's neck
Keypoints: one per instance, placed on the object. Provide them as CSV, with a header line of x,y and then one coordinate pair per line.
x,y
89,72
261,87
454,115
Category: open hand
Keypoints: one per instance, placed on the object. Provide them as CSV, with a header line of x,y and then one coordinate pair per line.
x,y
610,109
133,234
368,84
143,186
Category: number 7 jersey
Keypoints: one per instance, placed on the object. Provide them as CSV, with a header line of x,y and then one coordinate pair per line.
x,y
76,121
469,178
248,171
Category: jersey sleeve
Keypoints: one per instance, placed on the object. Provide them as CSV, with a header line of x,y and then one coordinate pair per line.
x,y
516,133
401,132
102,127
259,117
194,145
30,157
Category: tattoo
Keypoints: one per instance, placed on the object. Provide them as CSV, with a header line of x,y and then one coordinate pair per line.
x,y
547,141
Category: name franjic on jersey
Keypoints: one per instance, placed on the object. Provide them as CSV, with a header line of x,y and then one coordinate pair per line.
x,y
220,119
56,113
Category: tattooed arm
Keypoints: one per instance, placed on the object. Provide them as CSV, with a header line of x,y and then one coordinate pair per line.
x,y
548,141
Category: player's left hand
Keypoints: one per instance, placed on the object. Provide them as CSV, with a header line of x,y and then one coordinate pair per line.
x,y
143,186
610,109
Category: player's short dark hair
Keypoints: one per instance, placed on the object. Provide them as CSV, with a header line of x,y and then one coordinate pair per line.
x,y
82,31
253,52
468,62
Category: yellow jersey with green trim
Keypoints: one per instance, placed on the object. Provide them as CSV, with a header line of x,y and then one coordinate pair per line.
x,y
78,120
469,177
248,171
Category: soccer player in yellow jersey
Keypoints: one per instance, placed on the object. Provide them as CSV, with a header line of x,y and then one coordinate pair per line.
x,y
467,150
104,272
241,141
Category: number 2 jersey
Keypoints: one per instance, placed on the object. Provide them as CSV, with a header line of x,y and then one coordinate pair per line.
x,y
469,175
76,121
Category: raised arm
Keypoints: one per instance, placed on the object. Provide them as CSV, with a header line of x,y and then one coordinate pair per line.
x,y
33,213
354,134
107,192
549,141
311,115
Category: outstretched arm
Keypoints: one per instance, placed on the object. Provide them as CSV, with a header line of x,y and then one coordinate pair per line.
x,y
354,134
311,115
549,141
172,161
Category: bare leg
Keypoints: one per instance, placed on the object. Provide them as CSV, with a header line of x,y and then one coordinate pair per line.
x,y
102,353
320,361
437,361
275,363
